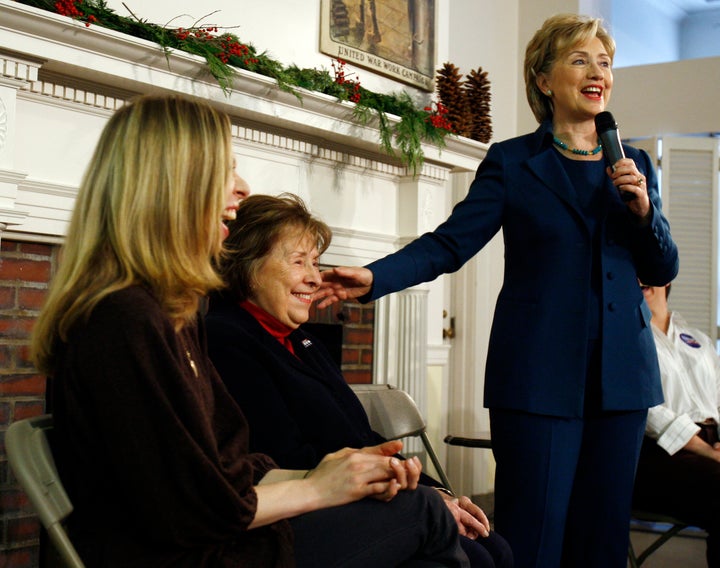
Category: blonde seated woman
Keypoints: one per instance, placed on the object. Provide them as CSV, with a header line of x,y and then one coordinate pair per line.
x,y
151,447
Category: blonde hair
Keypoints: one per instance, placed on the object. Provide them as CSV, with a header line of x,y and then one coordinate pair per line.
x,y
558,35
262,220
148,212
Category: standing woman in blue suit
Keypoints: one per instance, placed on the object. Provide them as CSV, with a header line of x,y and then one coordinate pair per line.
x,y
568,412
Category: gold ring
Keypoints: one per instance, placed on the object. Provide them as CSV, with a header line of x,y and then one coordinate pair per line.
x,y
640,180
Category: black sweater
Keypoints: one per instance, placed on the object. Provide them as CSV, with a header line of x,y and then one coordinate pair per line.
x,y
155,458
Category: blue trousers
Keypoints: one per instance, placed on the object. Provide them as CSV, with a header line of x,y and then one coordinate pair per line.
x,y
563,486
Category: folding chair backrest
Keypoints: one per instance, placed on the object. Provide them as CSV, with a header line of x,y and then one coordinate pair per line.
x,y
32,463
393,414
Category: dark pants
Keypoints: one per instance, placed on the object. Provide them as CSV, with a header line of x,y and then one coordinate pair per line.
x,y
563,487
684,485
414,530
492,551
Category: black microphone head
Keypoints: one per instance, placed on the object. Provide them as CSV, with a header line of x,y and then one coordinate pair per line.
x,y
604,121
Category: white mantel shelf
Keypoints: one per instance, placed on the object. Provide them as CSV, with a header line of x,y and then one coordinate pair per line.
x,y
128,65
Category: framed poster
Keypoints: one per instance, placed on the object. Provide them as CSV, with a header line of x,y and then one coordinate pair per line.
x,y
395,38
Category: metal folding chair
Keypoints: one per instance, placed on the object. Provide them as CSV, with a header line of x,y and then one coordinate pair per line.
x,y
675,526
32,463
393,414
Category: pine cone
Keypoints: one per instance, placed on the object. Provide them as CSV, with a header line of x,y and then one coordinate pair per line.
x,y
452,96
477,92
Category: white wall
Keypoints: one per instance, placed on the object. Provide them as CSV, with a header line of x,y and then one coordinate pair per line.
x,y
700,35
680,97
644,33
657,31
484,34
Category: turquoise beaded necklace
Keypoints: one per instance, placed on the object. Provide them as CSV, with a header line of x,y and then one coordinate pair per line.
x,y
564,146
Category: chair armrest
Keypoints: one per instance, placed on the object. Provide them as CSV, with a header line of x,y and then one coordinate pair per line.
x,y
473,440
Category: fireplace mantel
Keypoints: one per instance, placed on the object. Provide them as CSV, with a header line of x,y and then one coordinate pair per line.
x,y
49,61
104,57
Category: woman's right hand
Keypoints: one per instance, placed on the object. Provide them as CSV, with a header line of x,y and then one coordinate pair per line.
x,y
350,475
341,477
343,283
409,474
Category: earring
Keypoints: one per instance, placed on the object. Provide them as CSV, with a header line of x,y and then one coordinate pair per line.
x,y
549,93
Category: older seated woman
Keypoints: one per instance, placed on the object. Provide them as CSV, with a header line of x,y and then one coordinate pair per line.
x,y
293,394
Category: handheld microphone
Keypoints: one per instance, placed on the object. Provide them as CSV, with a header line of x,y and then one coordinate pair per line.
x,y
607,130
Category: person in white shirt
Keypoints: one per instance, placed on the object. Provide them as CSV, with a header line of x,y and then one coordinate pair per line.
x,y
679,469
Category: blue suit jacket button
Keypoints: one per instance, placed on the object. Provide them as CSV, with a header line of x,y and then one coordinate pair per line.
x,y
611,306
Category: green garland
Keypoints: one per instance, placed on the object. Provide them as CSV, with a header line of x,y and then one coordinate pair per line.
x,y
224,53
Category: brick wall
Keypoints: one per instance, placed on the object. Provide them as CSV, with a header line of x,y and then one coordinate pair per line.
x,y
358,323
25,269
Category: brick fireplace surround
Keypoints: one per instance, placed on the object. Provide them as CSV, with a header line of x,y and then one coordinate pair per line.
x,y
25,269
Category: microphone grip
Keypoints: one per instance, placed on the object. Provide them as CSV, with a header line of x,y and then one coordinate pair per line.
x,y
610,140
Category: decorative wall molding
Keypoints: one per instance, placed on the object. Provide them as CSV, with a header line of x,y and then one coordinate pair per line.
x,y
333,153
438,355
17,69
96,100
3,124
10,216
58,93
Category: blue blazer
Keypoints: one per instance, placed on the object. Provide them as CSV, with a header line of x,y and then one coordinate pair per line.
x,y
538,344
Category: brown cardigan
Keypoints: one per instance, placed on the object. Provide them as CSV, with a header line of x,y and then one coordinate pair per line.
x,y
155,458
